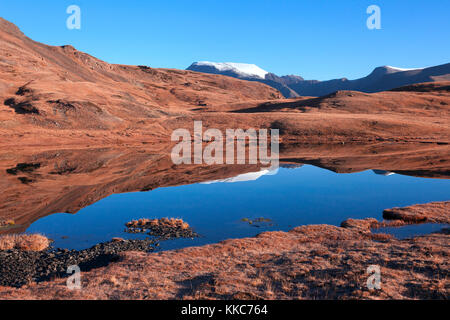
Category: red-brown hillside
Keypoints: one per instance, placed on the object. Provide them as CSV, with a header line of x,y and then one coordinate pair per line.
x,y
60,87
60,96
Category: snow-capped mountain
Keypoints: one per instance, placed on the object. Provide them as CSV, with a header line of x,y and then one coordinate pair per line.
x,y
380,79
239,70
383,172
244,71
395,69
250,176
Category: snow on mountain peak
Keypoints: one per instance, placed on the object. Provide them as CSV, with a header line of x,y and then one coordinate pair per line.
x,y
243,69
250,176
402,69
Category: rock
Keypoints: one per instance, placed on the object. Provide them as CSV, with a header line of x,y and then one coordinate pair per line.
x,y
16,266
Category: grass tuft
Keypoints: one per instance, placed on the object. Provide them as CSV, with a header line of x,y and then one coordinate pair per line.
x,y
24,242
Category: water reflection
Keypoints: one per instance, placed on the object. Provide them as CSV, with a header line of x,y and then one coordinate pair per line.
x,y
102,188
307,195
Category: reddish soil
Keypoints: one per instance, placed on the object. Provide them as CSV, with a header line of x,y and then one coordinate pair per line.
x,y
310,262
75,129
58,96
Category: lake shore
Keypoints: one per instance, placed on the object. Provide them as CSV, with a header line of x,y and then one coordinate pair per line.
x,y
308,262
75,130
72,179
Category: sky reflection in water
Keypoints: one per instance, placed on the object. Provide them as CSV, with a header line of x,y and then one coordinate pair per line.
x,y
292,197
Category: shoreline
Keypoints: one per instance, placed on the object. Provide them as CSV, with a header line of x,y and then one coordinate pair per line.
x,y
308,262
71,179
75,130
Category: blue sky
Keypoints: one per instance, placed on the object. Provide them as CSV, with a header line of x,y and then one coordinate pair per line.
x,y
317,39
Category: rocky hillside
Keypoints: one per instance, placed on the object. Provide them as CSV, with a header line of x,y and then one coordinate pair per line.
x,y
58,96
61,88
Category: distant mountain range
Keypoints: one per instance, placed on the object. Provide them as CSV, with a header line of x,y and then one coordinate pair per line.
x,y
381,79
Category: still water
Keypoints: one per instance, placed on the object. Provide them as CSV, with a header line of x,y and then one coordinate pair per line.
x,y
289,198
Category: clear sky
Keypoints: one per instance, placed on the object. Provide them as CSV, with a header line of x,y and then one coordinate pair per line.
x,y
317,39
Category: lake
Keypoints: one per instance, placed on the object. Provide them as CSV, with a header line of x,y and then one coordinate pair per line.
x,y
293,196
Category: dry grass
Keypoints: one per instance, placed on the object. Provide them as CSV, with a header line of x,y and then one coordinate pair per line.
x,y
365,225
7,223
310,262
164,222
24,242
434,212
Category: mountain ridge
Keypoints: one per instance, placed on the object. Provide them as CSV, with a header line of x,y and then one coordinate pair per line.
x,y
57,95
380,79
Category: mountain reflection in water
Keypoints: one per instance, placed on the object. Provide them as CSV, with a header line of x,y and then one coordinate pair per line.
x,y
102,186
